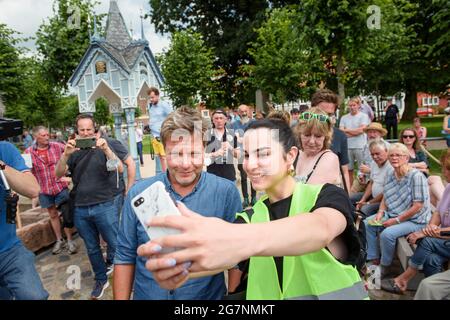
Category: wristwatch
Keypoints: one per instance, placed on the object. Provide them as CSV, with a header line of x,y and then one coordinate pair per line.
x,y
398,220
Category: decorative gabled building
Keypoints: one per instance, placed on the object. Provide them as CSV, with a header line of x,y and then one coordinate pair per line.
x,y
119,69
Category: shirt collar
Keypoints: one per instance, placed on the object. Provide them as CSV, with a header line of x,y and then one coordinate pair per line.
x,y
199,184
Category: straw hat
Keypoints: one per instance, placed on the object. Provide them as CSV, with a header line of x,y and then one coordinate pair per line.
x,y
376,126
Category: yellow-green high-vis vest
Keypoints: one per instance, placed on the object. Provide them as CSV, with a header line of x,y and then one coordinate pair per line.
x,y
313,276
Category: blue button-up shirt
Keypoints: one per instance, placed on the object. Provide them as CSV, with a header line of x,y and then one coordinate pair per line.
x,y
212,197
158,113
399,195
11,157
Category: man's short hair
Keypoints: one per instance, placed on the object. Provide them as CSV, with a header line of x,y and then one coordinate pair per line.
x,y
295,111
85,116
186,119
37,129
324,95
154,90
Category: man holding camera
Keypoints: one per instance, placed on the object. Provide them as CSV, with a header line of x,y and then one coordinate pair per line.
x,y
18,276
95,164
54,191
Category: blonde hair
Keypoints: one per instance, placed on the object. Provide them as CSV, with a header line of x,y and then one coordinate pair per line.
x,y
281,115
184,118
315,126
399,147
355,99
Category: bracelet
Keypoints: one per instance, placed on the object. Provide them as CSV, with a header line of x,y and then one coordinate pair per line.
x,y
398,220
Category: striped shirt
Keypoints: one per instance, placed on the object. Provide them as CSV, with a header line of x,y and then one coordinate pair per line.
x,y
44,168
399,195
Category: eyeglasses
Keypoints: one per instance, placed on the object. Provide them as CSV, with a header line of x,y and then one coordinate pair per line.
x,y
408,136
394,155
308,116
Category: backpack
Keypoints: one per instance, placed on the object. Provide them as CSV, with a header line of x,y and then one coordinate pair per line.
x,y
360,228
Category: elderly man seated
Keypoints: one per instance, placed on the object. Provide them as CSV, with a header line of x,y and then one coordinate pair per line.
x,y
368,202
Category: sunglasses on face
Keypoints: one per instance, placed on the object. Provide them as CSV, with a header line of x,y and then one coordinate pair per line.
x,y
308,116
408,136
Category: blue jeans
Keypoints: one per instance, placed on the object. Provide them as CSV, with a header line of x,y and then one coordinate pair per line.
x,y
388,238
92,221
139,150
19,279
430,255
367,209
158,168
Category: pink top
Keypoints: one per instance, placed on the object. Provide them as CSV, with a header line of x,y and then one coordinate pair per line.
x,y
443,208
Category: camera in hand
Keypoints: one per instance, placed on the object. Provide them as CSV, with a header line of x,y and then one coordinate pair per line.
x,y
11,200
10,128
85,143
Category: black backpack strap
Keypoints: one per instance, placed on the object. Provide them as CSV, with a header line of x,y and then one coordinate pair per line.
x,y
315,165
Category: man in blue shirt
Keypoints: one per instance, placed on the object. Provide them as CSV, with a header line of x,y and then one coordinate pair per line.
x,y
18,276
158,111
200,191
27,139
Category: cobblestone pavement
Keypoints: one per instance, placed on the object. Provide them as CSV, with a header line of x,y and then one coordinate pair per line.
x,y
68,277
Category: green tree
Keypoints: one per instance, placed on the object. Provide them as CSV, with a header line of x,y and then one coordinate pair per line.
x,y
10,67
64,38
227,26
410,52
283,67
188,69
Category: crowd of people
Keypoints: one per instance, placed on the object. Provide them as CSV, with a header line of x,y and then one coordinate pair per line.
x,y
293,236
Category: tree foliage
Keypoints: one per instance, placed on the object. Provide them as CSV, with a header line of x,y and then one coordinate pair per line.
x,y
188,69
64,38
10,67
227,26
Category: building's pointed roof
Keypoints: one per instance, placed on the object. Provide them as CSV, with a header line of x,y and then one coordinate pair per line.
x,y
117,33
118,45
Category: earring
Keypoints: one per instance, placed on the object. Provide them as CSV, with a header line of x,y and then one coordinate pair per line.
x,y
291,171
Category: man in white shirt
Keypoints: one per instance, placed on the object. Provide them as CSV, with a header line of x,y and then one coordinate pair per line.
x,y
139,137
353,125
369,201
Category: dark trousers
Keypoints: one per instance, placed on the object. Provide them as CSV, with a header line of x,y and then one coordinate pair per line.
x,y
391,125
244,183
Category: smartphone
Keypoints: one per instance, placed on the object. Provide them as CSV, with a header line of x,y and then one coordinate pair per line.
x,y
153,202
85,143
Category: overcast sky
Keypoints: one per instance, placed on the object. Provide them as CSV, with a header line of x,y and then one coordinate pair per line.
x,y
26,16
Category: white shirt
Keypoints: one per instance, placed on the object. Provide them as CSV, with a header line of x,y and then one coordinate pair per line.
x,y
378,176
139,135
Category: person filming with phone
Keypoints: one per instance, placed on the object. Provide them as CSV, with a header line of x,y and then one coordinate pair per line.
x,y
95,164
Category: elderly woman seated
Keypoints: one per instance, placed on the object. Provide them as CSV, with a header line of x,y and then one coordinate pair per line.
x,y
433,248
316,163
405,208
